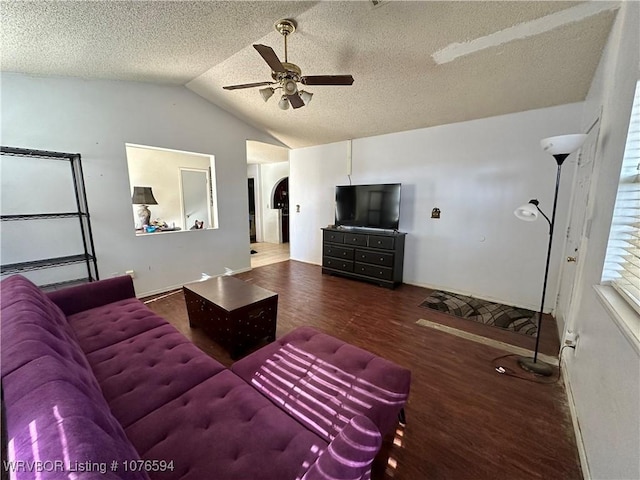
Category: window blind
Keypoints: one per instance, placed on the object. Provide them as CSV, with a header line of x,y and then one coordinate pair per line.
x,y
622,261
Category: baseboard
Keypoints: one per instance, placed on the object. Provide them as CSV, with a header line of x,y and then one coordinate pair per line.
x,y
582,452
308,262
180,285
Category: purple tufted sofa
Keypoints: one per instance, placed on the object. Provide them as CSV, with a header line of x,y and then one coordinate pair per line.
x,y
96,386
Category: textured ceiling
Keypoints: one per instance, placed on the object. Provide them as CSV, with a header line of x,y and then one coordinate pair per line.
x,y
415,63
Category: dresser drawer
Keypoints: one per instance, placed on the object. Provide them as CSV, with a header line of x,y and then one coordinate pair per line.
x,y
383,273
381,242
334,237
337,264
338,252
355,239
377,258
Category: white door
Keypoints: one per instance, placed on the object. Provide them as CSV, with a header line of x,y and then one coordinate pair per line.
x,y
575,237
194,188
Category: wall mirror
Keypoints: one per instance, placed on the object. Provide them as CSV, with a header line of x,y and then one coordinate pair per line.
x,y
171,190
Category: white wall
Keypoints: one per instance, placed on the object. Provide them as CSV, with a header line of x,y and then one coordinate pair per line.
x,y
96,119
477,173
603,373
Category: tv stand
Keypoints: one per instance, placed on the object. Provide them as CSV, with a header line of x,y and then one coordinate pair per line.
x,y
371,255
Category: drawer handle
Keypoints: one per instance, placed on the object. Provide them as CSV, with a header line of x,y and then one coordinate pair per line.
x,y
381,259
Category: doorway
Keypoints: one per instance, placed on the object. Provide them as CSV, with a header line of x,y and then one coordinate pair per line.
x,y
252,210
281,202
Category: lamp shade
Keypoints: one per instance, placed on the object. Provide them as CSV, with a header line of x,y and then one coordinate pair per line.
x,y
284,102
266,93
306,96
143,196
527,212
563,144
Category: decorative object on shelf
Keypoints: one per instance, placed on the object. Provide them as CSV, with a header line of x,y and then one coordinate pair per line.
x,y
143,196
287,75
560,148
198,225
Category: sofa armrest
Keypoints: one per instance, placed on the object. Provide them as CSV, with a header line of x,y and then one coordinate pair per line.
x,y
94,294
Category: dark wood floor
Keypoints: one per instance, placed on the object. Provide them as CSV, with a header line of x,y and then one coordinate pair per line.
x,y
464,420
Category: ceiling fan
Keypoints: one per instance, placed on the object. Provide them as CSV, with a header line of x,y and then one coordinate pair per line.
x,y
288,75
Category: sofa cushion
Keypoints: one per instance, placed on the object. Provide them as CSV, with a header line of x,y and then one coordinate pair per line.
x,y
324,382
224,429
100,327
93,294
144,372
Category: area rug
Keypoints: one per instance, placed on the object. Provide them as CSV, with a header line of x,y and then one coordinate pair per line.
x,y
515,319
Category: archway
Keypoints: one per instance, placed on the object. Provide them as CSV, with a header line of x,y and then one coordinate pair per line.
x,y
280,201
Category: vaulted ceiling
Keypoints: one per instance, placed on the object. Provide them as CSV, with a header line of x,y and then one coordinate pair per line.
x,y
415,63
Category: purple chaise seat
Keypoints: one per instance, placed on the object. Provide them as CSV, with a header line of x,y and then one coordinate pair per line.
x,y
324,382
92,379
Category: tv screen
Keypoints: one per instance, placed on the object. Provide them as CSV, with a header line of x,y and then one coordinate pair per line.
x,y
373,206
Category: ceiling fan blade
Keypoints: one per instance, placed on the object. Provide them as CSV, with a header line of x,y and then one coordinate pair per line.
x,y
327,80
247,85
295,100
270,57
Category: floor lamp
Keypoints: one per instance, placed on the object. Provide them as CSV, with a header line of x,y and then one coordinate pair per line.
x,y
560,147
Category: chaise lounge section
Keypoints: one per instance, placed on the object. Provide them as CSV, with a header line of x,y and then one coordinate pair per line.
x,y
95,383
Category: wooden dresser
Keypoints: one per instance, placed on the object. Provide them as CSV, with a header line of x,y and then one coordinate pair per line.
x,y
374,256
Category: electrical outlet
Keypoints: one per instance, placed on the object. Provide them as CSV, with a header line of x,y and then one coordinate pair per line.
x,y
131,273
570,339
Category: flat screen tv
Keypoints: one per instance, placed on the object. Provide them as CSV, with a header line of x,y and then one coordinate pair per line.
x,y
369,206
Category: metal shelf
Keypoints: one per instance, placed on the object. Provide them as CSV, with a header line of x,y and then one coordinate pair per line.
x,y
67,283
27,152
44,263
41,216
81,214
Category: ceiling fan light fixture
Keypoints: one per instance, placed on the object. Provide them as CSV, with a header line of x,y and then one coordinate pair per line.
x,y
289,87
283,103
266,93
306,96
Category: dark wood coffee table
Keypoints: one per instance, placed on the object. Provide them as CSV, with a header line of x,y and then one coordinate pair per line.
x,y
235,314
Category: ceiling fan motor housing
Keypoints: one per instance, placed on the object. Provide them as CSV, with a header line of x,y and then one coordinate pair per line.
x,y
289,86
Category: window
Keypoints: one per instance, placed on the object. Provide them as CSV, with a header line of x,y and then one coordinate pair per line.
x,y
622,262
182,188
